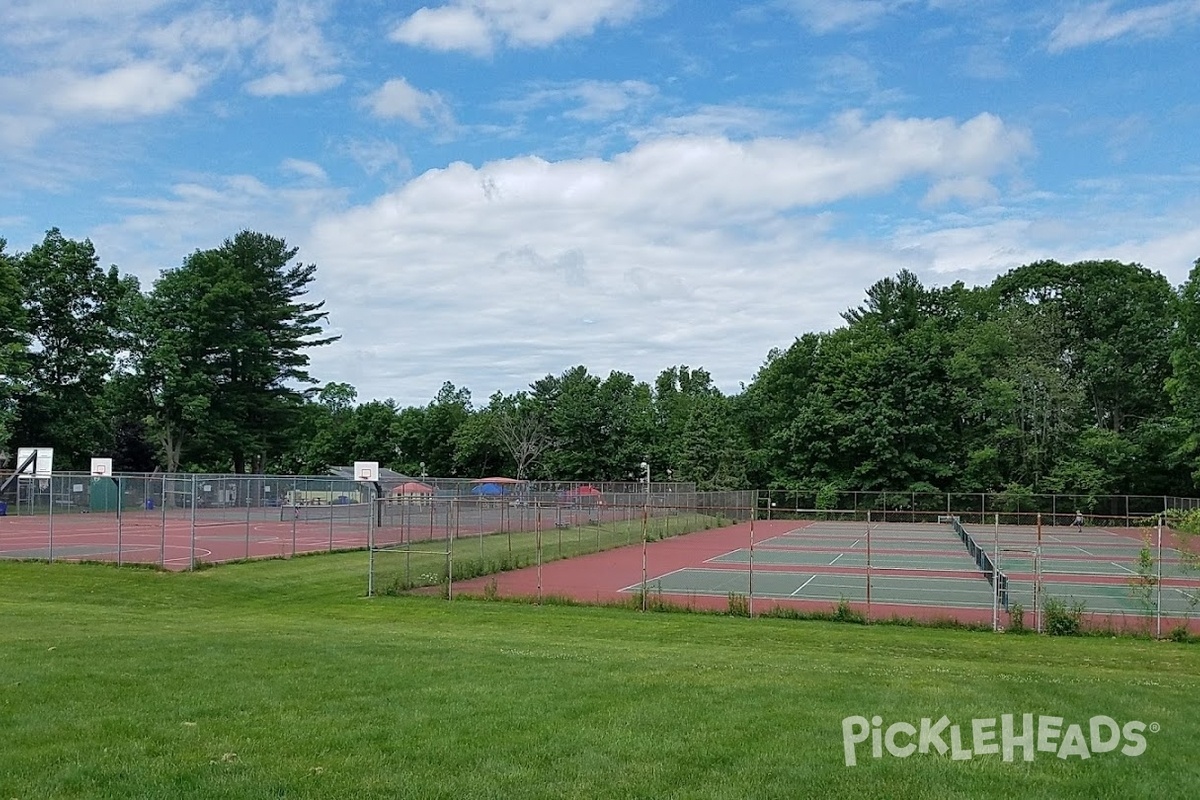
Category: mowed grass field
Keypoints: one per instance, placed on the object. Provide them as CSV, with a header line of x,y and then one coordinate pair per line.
x,y
279,679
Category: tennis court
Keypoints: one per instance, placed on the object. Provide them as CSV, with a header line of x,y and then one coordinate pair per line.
x,y
921,570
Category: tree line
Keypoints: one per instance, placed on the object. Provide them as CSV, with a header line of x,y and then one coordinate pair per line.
x,y
1076,378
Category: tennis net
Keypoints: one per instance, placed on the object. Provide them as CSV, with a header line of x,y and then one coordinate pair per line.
x,y
995,577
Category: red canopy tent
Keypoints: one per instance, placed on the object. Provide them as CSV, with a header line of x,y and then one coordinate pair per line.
x,y
413,487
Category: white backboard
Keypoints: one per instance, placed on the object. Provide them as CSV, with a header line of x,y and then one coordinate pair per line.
x,y
366,471
102,467
43,467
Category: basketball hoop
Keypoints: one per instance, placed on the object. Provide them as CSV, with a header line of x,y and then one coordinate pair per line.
x,y
366,471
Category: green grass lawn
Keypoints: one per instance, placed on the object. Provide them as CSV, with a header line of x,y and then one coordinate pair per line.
x,y
279,679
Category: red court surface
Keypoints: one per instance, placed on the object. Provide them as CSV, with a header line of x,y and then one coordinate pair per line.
x,y
149,538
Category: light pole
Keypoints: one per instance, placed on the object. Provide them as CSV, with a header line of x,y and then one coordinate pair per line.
x,y
645,465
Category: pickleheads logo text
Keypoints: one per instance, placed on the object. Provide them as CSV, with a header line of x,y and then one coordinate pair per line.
x,y
1004,737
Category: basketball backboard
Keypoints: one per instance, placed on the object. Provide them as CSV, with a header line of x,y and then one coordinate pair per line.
x,y
366,471
102,467
43,467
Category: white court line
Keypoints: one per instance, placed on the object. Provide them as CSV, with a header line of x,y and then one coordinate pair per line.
x,y
1190,597
857,542
835,560
722,555
1118,566
638,585
1080,549
806,583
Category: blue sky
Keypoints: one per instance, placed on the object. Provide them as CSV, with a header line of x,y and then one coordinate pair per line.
x,y
495,190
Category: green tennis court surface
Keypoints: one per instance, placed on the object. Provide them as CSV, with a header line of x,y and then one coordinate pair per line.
x,y
965,592
931,565
907,590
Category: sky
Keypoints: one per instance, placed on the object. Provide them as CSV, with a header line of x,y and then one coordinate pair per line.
x,y
497,190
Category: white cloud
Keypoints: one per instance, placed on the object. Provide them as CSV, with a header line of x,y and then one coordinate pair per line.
x,y
156,233
113,60
20,131
1098,22
400,99
590,100
972,189
715,120
826,16
141,88
295,50
304,169
204,31
491,276
604,99
478,26
447,28
377,157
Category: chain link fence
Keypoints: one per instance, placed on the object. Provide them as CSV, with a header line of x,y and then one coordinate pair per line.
x,y
182,521
745,553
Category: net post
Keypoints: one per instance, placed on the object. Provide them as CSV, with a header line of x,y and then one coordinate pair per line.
x,y
996,576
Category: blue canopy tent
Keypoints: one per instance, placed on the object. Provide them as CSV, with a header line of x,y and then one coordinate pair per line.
x,y
490,489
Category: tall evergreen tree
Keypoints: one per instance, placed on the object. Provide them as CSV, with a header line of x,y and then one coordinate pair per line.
x,y
224,351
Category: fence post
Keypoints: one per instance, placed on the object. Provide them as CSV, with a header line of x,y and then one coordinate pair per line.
x,y
162,524
192,526
120,505
750,606
51,486
370,554
1158,585
1037,583
645,522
